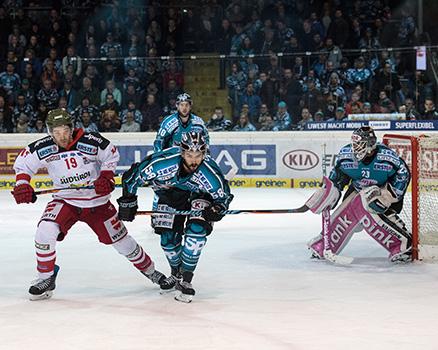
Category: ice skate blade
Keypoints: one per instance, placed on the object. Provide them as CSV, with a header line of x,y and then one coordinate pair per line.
x,y
167,291
45,295
184,298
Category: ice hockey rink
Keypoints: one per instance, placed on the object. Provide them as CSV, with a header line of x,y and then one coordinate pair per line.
x,y
256,288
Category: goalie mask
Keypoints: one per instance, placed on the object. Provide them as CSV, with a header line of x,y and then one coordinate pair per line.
x,y
363,142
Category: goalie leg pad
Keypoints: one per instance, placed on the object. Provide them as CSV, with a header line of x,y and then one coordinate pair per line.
x,y
325,197
343,224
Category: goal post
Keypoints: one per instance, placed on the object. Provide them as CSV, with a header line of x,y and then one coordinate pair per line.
x,y
420,207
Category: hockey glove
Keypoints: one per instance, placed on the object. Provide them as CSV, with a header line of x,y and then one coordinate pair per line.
x,y
127,207
213,212
24,193
105,183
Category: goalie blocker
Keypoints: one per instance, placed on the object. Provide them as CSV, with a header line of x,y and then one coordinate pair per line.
x,y
360,211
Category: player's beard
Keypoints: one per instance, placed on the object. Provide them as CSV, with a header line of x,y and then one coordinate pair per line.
x,y
190,167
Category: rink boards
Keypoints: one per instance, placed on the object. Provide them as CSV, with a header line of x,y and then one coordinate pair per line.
x,y
258,159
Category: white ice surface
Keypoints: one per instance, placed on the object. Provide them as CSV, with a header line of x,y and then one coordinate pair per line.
x,y
256,289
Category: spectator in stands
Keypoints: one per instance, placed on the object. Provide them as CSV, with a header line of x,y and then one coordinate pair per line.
x,y
384,104
236,83
339,29
305,118
282,120
110,121
69,94
110,88
21,107
39,128
71,59
9,80
252,100
5,116
265,120
244,124
110,44
48,94
290,91
131,107
84,122
129,124
218,122
22,125
411,112
110,104
430,112
407,27
334,52
358,74
354,99
319,116
339,116
151,111
388,81
49,73
89,91
366,108
312,97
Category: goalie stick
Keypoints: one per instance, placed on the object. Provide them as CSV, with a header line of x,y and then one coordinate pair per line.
x,y
328,253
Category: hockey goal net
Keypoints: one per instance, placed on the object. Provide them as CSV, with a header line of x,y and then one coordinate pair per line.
x,y
420,207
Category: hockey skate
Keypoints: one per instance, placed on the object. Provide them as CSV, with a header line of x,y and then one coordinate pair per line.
x,y
154,275
169,283
43,288
185,290
402,257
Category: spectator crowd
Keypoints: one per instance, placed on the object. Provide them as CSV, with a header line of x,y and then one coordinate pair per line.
x,y
117,66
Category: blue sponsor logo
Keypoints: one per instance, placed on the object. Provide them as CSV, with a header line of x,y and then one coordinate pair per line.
x,y
85,148
44,152
246,159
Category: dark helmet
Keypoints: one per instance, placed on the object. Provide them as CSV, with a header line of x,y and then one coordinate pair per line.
x,y
185,97
363,142
58,117
193,141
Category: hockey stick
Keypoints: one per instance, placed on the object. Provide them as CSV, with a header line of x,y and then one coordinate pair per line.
x,y
55,190
302,209
328,253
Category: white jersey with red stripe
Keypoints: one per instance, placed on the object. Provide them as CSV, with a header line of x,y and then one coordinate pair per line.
x,y
80,164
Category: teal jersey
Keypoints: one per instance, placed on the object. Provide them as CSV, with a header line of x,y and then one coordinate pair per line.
x,y
172,129
384,167
162,171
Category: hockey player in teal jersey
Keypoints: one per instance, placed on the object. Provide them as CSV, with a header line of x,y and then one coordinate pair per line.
x,y
377,179
183,178
175,125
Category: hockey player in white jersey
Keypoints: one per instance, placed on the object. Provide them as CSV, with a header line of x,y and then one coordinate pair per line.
x,y
74,159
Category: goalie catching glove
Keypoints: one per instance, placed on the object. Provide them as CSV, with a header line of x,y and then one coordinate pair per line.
x,y
377,200
325,197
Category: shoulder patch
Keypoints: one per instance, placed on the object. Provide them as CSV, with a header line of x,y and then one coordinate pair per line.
x,y
197,120
41,143
94,139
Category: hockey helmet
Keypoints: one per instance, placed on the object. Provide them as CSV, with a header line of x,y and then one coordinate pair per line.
x,y
185,97
363,142
193,141
58,117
